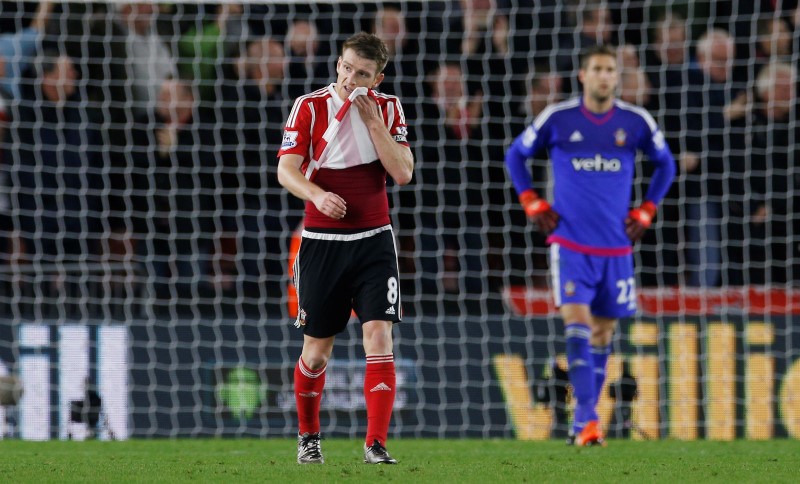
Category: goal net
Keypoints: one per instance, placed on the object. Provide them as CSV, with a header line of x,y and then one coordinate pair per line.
x,y
145,243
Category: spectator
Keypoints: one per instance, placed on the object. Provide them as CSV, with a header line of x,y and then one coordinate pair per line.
x,y
451,170
658,250
713,162
52,157
774,39
484,29
479,38
544,88
482,46
18,49
206,46
401,70
185,182
666,66
627,58
139,56
305,69
774,43
252,118
774,181
593,26
128,63
635,88
390,26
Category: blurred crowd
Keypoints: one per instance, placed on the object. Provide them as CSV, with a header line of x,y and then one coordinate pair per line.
x,y
143,135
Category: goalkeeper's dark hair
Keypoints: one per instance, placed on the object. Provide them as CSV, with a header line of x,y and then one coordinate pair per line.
x,y
369,46
596,50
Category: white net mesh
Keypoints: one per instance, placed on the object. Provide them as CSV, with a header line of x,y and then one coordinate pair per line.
x,y
145,240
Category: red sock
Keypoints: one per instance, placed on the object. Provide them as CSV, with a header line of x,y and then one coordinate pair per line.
x,y
379,390
308,386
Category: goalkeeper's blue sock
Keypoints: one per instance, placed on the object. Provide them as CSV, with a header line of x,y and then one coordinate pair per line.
x,y
581,374
600,360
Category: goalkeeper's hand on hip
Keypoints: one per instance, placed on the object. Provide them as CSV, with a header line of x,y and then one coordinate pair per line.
x,y
539,211
639,220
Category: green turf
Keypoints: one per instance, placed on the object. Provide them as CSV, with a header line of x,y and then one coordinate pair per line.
x,y
441,461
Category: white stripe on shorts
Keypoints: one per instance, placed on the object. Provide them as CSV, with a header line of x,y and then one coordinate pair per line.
x,y
345,237
555,273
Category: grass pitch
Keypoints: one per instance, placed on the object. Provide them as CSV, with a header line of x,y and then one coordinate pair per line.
x,y
421,460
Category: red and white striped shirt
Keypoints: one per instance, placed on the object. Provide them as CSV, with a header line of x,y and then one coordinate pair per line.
x,y
350,167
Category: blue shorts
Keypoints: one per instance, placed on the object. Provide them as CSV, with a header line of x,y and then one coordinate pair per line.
x,y
606,284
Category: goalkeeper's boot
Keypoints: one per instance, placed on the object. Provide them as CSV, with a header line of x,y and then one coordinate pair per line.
x,y
590,435
309,450
377,454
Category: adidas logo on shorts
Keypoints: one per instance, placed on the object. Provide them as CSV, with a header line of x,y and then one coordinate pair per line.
x,y
391,310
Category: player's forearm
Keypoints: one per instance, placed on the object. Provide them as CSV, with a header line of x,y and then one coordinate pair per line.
x,y
291,178
516,163
661,180
397,159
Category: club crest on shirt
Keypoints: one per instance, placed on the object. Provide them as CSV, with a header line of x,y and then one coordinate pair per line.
x,y
289,140
301,317
569,288
619,137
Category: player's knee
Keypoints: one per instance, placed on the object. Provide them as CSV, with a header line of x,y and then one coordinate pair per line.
x,y
316,356
601,337
378,338
314,360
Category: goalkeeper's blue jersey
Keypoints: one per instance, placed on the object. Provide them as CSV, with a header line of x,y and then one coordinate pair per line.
x,y
593,159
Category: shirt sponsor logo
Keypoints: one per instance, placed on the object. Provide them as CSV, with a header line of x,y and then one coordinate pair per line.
x,y
598,163
289,140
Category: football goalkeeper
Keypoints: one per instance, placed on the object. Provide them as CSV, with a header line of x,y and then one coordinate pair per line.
x,y
592,142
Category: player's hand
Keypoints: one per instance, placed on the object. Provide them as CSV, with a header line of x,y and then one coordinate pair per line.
x,y
167,138
330,204
639,220
539,212
368,108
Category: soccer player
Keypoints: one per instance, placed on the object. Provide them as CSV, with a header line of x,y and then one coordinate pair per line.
x,y
592,142
347,258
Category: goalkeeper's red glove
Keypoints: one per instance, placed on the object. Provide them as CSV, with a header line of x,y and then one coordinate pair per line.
x,y
639,219
539,211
